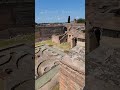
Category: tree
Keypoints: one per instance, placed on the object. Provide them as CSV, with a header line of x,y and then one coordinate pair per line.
x,y
68,19
81,20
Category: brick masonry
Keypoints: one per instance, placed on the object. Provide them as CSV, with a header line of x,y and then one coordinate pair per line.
x,y
46,32
70,79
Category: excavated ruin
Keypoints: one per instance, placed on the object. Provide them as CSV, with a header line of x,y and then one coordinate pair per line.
x,y
54,67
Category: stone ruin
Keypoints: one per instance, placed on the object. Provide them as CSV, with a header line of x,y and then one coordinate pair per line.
x,y
18,59
74,35
54,67
17,67
46,32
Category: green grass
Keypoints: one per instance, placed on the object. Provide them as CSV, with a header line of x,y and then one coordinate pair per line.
x,y
46,42
17,39
65,46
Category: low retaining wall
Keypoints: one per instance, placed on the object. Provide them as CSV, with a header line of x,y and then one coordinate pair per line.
x,y
48,80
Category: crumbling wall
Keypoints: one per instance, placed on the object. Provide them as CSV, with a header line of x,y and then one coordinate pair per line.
x,y
56,39
59,38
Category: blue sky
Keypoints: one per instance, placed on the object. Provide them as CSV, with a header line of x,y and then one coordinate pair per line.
x,y
49,11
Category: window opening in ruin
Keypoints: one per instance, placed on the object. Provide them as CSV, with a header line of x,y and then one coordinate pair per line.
x,y
80,39
65,28
66,40
75,41
97,34
69,36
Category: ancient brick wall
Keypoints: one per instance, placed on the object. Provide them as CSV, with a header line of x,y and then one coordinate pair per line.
x,y
47,31
16,18
72,70
70,79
